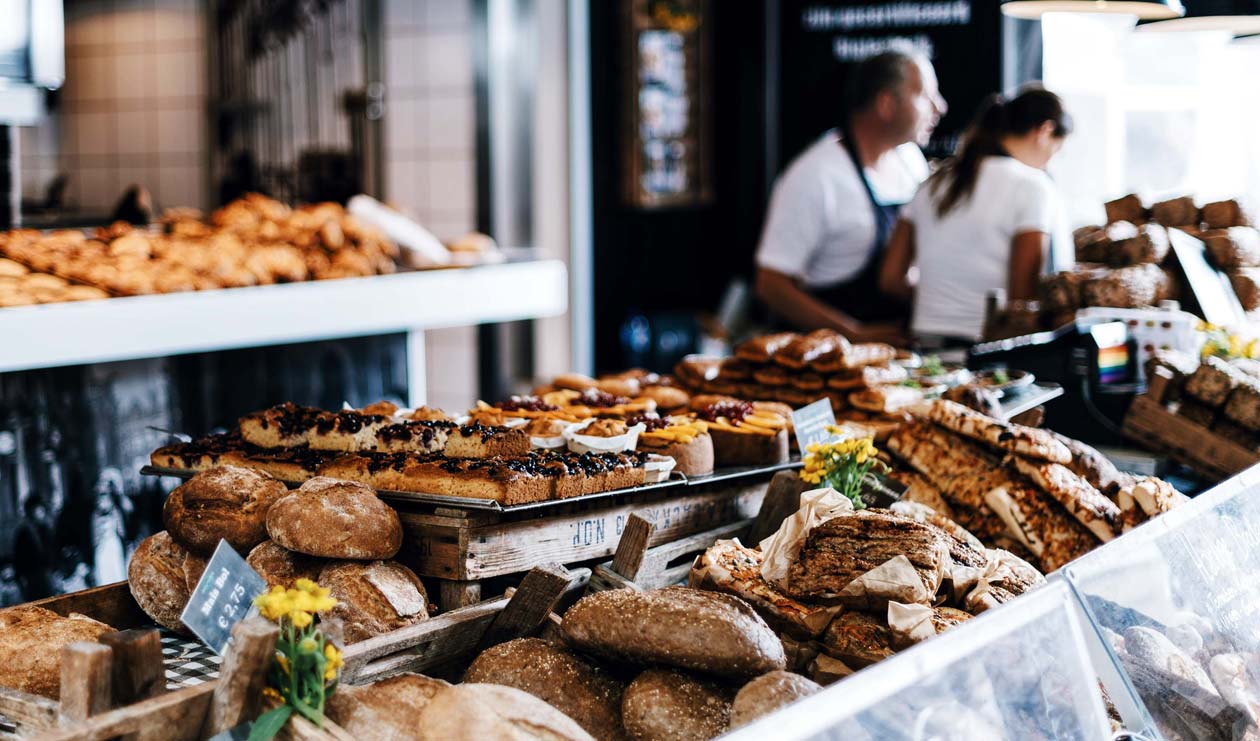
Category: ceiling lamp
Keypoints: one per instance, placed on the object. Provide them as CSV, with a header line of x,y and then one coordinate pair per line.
x,y
1239,25
1145,10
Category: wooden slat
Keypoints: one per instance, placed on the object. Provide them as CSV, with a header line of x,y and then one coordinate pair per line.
x,y
1158,384
628,558
242,675
137,670
666,577
432,641
604,578
783,497
85,680
29,712
1151,424
513,547
174,716
656,559
529,606
455,595
111,604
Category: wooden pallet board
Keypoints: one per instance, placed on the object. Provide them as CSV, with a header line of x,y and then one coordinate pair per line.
x,y
471,546
1149,423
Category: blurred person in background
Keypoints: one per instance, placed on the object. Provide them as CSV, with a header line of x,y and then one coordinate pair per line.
x,y
983,221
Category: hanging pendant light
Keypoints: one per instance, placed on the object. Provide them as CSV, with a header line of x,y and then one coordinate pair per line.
x,y
1239,25
1143,9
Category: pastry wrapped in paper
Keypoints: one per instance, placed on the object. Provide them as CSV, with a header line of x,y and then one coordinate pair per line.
x,y
731,567
1004,577
895,580
911,624
779,551
825,669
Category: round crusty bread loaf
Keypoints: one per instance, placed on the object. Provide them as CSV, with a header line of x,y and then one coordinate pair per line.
x,y
31,639
374,597
228,503
384,709
162,576
475,712
768,693
281,567
675,626
575,687
664,705
335,519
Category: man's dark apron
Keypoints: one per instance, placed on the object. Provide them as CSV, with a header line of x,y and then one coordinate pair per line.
x,y
859,296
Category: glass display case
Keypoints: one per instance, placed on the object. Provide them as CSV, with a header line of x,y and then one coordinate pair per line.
x,y
1020,671
1176,603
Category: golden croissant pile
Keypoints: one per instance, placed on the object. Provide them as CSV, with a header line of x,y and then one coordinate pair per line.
x,y
254,240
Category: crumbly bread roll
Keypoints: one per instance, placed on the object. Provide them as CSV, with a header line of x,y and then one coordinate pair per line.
x,y
335,519
281,567
663,705
677,626
1176,212
31,639
386,709
1126,208
768,693
228,503
162,576
374,598
476,712
575,687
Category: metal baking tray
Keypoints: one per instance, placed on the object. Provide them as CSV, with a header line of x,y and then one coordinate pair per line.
x,y
1028,397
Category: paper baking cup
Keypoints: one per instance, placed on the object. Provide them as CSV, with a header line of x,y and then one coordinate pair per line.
x,y
657,468
579,443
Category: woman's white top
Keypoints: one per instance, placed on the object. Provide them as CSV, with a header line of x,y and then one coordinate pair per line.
x,y
966,255
820,226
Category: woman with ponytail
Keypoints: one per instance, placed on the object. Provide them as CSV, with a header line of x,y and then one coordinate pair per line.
x,y
983,221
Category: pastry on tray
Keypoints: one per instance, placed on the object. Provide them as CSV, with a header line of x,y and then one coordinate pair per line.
x,y
745,436
282,426
683,438
805,349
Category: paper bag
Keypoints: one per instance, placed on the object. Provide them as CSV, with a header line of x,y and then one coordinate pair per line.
x,y
895,580
782,547
910,624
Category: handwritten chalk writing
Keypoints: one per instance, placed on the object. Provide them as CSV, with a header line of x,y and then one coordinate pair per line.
x,y
886,15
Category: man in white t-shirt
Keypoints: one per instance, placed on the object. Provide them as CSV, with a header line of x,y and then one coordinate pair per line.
x,y
828,220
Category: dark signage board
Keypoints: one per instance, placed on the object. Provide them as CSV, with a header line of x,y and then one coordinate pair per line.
x,y
223,597
820,41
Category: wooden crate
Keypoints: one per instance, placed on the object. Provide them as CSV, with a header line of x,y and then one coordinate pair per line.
x,y
463,548
1149,423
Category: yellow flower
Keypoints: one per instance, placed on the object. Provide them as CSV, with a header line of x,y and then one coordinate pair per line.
x,y
269,692
300,619
308,646
306,585
333,656
283,661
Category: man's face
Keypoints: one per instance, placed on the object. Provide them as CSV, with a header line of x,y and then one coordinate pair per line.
x,y
917,106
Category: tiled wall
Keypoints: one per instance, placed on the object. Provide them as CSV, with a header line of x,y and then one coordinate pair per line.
x,y
132,109
430,157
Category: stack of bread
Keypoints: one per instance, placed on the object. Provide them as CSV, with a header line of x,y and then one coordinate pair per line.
x,y
862,381
338,533
252,241
674,663
1218,394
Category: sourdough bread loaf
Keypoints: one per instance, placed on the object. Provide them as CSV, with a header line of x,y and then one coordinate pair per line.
x,y
386,709
162,576
476,712
335,519
31,639
281,567
374,597
676,626
557,676
228,503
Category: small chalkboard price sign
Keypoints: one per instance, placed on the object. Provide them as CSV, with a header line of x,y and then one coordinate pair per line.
x,y
224,596
811,422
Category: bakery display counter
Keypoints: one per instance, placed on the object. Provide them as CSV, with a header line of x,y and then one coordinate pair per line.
x,y
52,335
1177,607
1021,671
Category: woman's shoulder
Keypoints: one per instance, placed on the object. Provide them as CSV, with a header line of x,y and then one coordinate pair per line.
x,y
1011,172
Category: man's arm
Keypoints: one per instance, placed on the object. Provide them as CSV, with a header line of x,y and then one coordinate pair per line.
x,y
786,298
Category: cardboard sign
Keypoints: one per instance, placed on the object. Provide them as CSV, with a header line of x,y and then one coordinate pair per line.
x,y
224,596
810,423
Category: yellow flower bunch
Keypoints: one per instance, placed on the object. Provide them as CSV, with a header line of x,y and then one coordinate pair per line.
x,y
840,463
299,605
1224,344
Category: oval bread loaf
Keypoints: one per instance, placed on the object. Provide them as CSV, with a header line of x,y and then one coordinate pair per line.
x,y
384,709
31,639
675,626
228,502
162,576
281,567
335,519
768,693
664,705
556,676
476,712
374,597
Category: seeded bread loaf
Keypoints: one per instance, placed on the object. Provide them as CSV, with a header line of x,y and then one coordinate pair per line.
x,y
335,519
575,687
768,693
162,576
676,626
31,639
1213,382
374,597
225,503
663,705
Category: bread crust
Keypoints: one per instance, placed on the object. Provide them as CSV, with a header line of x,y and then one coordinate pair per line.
x,y
384,709
374,597
476,712
228,503
281,567
162,576
736,448
768,693
661,704
335,519
30,654
693,457
575,687
677,626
